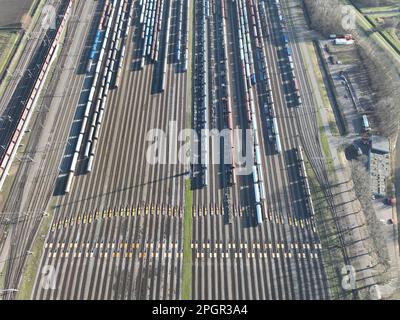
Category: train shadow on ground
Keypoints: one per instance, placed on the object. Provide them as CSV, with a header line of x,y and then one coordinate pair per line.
x,y
112,192
294,181
69,149
61,182
246,196
156,79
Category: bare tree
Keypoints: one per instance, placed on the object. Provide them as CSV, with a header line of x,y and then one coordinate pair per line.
x,y
362,189
325,15
385,84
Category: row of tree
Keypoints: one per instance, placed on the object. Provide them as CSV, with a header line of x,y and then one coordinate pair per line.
x,y
385,84
362,188
331,16
325,15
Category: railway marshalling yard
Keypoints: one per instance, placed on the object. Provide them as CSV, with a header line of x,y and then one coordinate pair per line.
x,y
129,229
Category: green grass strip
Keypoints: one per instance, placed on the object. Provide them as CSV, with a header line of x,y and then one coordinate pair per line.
x,y
188,219
187,240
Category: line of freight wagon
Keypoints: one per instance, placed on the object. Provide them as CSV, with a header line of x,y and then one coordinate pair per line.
x,y
202,89
304,177
226,99
288,51
246,56
105,69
